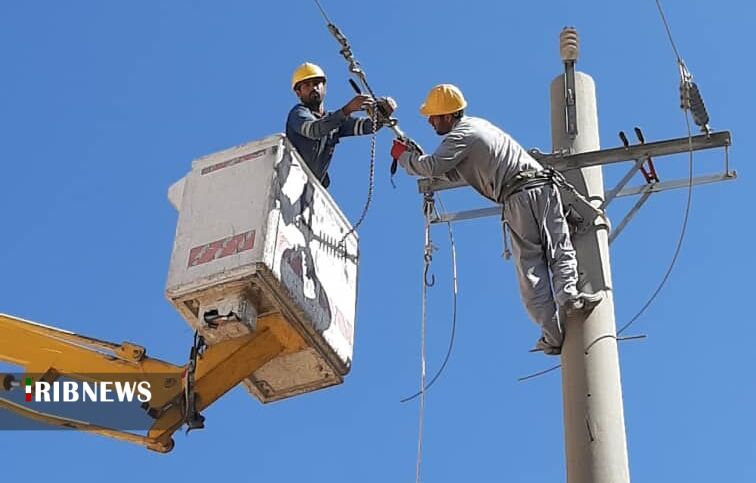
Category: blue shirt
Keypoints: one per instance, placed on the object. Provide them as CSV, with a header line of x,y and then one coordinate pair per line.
x,y
315,137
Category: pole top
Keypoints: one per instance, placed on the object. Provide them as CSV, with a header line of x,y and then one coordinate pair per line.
x,y
569,44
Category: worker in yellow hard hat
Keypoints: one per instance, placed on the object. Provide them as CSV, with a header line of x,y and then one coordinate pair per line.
x,y
496,166
313,131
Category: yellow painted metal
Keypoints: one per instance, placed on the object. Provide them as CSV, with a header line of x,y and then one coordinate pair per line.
x,y
53,352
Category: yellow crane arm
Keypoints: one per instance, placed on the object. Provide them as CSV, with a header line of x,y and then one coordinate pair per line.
x,y
53,353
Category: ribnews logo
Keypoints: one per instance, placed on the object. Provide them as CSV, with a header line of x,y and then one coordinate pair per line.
x,y
114,400
83,391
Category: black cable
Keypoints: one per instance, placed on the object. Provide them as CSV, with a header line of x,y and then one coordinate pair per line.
x,y
690,182
454,316
669,31
540,373
679,240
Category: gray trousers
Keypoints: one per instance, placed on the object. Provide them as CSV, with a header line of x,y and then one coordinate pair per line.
x,y
541,246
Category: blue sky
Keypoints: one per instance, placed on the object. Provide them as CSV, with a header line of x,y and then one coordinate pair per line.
x,y
105,104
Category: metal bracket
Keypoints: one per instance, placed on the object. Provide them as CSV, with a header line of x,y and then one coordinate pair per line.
x,y
640,153
562,161
570,101
629,216
636,190
612,193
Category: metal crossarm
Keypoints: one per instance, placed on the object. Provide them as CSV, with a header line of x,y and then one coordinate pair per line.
x,y
565,162
638,153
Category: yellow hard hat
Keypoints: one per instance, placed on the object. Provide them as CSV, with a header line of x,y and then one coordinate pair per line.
x,y
443,99
306,71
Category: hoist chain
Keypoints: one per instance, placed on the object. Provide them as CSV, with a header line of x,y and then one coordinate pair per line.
x,y
371,185
192,418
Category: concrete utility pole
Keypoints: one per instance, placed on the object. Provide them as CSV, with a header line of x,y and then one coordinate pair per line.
x,y
594,421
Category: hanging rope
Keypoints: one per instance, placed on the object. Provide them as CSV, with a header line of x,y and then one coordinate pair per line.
x,y
428,208
455,293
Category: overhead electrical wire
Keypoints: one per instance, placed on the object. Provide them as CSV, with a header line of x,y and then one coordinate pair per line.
x,y
685,83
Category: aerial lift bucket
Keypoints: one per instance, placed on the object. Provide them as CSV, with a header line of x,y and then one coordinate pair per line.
x,y
258,234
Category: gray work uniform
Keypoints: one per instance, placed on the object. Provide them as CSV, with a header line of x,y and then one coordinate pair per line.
x,y
488,159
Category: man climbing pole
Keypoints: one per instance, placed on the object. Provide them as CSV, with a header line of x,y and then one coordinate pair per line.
x,y
315,132
496,166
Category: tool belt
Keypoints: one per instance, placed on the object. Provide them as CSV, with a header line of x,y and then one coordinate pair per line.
x,y
528,179
578,210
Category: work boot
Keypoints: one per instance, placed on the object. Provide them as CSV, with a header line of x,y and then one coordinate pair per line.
x,y
551,339
584,302
544,346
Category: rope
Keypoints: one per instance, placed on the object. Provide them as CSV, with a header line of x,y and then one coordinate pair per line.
x,y
455,293
428,207
561,182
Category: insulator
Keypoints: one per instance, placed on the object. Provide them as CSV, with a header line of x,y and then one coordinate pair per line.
x,y
684,95
569,44
697,108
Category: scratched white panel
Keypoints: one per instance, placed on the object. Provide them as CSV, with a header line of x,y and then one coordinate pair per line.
x,y
315,268
224,206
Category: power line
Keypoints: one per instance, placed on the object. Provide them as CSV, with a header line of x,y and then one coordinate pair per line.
x,y
669,31
680,239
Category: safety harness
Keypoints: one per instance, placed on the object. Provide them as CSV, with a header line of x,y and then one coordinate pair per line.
x,y
578,211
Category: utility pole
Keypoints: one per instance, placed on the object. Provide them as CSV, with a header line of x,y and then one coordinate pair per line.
x,y
594,421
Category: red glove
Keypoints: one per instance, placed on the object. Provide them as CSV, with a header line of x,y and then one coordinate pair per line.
x,y
398,149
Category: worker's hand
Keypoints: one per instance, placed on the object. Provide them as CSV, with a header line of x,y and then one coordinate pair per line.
x,y
398,149
413,146
359,102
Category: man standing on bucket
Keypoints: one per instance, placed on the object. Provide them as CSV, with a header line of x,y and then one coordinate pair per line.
x,y
315,132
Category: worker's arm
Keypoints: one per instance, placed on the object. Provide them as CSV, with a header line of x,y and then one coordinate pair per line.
x,y
356,127
304,122
448,155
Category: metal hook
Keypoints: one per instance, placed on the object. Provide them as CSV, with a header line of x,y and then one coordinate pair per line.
x,y
425,276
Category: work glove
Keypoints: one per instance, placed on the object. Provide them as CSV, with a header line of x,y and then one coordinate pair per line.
x,y
398,149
